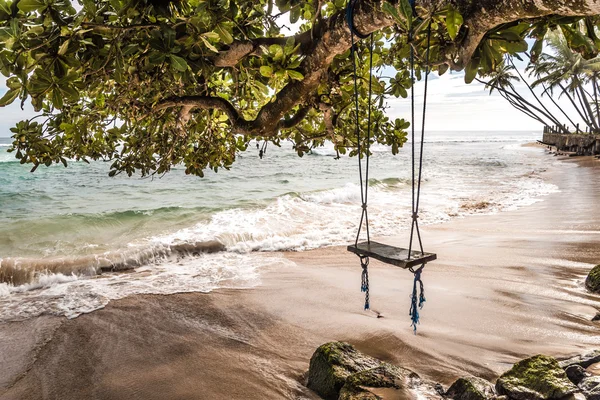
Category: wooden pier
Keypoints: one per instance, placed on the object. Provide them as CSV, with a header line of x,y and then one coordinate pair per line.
x,y
578,143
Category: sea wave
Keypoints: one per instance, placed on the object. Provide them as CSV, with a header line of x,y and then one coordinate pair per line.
x,y
24,271
71,296
293,222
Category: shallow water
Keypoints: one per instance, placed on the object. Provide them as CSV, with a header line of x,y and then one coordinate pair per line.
x,y
60,228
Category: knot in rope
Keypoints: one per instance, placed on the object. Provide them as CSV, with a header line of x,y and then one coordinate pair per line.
x,y
417,299
364,286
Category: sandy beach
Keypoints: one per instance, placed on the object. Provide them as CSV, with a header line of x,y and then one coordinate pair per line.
x,y
505,286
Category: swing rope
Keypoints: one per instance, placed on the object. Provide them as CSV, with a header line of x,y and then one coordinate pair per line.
x,y
418,295
364,184
415,304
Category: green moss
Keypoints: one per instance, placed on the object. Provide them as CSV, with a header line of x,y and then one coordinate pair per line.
x,y
331,364
592,281
356,393
470,388
538,377
380,377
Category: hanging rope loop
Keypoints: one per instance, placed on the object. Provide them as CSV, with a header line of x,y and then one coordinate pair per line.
x,y
364,285
417,299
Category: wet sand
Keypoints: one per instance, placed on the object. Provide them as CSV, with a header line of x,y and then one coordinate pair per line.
x,y
504,287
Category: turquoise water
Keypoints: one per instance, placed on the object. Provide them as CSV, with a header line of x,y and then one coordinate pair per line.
x,y
60,226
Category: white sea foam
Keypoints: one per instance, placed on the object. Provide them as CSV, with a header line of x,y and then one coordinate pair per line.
x,y
68,296
324,218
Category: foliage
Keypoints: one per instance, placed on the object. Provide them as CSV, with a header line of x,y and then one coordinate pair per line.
x,y
560,70
569,73
109,77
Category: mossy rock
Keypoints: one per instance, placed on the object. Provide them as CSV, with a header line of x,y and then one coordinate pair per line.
x,y
332,363
536,378
365,385
592,282
471,388
357,393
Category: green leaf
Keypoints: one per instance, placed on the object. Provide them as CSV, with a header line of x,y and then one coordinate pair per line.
x,y
70,93
289,47
453,22
407,11
211,35
442,69
178,63
209,45
13,83
224,34
390,9
511,36
31,5
471,70
579,42
62,50
5,7
9,97
295,75
295,15
156,57
57,99
266,71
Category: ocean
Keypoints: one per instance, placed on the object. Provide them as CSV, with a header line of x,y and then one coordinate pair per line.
x,y
63,229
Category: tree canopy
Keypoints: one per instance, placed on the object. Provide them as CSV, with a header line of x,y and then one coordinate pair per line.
x,y
149,84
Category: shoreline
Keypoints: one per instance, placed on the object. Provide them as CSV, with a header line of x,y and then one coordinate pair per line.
x,y
505,286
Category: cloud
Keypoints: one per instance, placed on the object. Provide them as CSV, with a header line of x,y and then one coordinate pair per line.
x,y
453,105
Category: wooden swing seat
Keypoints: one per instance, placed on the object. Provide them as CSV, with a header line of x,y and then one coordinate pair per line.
x,y
391,255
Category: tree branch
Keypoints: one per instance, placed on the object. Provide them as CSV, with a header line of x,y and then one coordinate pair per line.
x,y
104,27
238,50
207,103
331,37
238,123
295,120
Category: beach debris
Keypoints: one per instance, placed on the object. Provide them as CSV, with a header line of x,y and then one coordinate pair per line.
x,y
584,360
576,373
596,317
536,378
592,282
339,371
590,386
471,388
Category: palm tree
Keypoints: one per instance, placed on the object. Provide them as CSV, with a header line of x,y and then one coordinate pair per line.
x,y
501,80
568,72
